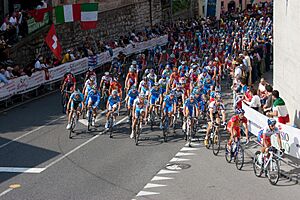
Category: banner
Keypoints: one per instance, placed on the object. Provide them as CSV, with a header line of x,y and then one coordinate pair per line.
x,y
290,136
25,84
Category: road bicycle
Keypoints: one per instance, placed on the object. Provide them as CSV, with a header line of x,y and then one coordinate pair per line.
x,y
268,164
236,153
74,120
111,121
154,115
90,118
138,130
190,129
215,138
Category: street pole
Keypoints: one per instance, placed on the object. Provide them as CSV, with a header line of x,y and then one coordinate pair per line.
x,y
150,5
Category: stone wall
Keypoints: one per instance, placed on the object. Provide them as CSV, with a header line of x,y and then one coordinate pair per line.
x,y
114,19
286,55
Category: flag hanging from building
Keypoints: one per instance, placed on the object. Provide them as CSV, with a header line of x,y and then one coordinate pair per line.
x,y
38,14
89,15
53,43
86,13
67,13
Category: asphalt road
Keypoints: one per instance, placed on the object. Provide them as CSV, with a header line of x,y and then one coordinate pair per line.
x,y
93,166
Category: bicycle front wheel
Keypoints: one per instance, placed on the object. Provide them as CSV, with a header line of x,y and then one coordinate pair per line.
x,y
227,154
110,123
273,171
257,167
216,143
239,157
137,136
72,127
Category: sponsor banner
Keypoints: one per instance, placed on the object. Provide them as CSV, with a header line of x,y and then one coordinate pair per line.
x,y
7,90
290,136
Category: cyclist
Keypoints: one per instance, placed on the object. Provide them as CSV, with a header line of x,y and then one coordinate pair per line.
x,y
190,109
93,101
266,133
131,96
152,77
115,85
105,83
69,83
215,109
168,106
144,86
140,107
90,73
163,84
75,103
234,126
167,72
113,104
155,97
131,79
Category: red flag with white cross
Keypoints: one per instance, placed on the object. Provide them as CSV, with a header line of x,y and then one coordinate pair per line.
x,y
53,43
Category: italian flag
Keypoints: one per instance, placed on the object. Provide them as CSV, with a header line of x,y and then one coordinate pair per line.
x,y
86,13
89,15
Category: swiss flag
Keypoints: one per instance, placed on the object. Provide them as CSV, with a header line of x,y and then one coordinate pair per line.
x,y
52,42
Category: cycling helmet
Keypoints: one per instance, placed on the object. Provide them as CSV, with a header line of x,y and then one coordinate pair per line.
x,y
164,51
133,87
106,73
151,70
172,93
186,74
271,122
131,69
114,92
76,93
156,84
178,85
91,68
218,95
172,56
142,96
134,62
93,87
192,96
194,66
204,70
167,66
145,78
163,76
116,78
239,111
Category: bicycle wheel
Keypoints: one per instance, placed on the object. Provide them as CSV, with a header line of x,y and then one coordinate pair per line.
x,y
137,135
189,137
110,124
165,129
152,119
257,168
216,143
90,121
72,126
239,157
227,154
273,171
174,124
63,103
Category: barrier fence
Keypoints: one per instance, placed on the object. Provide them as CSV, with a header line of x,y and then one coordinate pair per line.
x,y
26,84
290,136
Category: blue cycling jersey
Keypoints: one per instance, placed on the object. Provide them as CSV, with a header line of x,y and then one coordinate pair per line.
x,y
79,100
155,93
169,101
94,97
133,95
190,104
112,101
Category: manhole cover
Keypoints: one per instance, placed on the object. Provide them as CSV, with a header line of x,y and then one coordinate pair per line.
x,y
177,166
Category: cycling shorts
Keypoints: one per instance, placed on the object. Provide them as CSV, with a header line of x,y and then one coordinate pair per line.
x,y
168,108
138,111
75,104
130,102
112,106
154,100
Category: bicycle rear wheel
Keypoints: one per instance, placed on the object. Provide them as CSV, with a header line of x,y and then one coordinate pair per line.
x,y
239,157
273,171
72,126
90,118
257,168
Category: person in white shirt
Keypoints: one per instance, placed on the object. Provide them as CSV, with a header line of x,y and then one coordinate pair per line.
x,y
8,73
255,101
13,19
38,65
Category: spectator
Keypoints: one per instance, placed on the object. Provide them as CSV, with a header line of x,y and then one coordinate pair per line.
x,y
279,109
5,24
3,79
66,57
8,73
38,64
255,100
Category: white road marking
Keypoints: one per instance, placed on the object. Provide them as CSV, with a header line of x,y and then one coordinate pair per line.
x,y
179,160
32,131
78,147
189,149
184,154
145,193
85,122
21,170
159,178
163,171
152,185
5,192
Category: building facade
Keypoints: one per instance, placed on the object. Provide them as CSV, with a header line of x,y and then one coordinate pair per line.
x,y
286,54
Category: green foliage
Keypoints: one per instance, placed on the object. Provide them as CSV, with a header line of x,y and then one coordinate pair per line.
x,y
179,5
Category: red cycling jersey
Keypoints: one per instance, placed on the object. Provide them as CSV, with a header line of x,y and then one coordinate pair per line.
x,y
236,122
